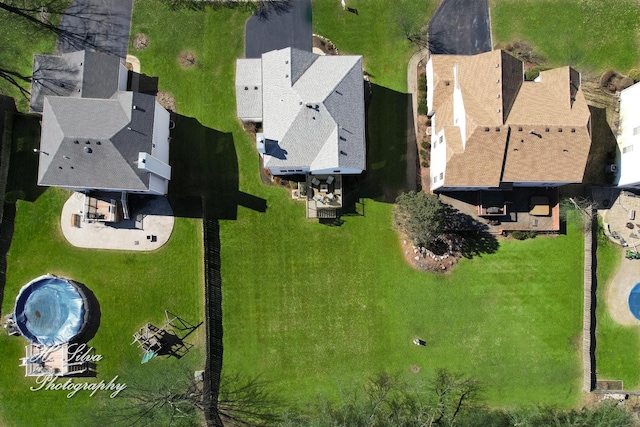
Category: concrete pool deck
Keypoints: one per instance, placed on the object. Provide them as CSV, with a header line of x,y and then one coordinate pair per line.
x,y
148,230
624,210
618,290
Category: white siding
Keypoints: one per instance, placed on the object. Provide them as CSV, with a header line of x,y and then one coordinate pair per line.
x,y
629,137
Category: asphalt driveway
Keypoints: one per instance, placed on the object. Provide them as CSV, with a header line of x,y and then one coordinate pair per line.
x,y
101,25
280,25
460,27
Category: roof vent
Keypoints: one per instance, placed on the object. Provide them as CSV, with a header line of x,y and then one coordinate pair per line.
x,y
497,65
246,88
565,150
559,129
76,142
286,76
486,129
87,142
573,130
546,129
447,82
98,143
343,153
498,96
255,88
497,80
519,128
498,110
88,150
497,129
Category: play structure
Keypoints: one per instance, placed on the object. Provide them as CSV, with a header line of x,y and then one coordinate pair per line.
x,y
167,340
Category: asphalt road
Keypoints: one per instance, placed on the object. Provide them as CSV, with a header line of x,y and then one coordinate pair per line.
x,y
460,27
101,25
286,24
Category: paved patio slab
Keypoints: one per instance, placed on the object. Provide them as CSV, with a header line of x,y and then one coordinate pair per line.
x,y
148,230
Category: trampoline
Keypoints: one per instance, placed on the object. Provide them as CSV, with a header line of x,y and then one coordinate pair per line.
x,y
51,310
634,301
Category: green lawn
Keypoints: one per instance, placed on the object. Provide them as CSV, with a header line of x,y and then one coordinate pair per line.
x,y
614,343
311,308
591,35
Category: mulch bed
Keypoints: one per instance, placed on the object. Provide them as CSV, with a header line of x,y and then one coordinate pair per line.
x,y
140,41
186,59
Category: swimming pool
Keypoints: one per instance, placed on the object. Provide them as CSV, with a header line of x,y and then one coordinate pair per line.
x,y
51,310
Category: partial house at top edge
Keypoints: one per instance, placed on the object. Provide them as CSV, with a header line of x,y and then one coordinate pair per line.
x,y
628,138
311,108
81,74
500,136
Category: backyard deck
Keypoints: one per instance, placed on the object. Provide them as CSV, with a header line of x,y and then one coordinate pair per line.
x,y
525,209
323,195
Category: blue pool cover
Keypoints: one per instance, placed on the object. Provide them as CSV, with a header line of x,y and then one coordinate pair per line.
x,y
634,301
50,311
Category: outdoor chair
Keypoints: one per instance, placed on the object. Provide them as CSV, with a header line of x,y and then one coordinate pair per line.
x,y
315,182
330,180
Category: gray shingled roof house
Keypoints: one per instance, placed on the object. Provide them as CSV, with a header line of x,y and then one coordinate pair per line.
x,y
311,108
81,74
117,144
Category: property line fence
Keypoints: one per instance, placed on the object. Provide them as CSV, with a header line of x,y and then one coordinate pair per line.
x,y
588,320
213,315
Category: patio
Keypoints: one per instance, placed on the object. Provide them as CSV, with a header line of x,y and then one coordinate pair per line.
x,y
323,195
148,229
524,209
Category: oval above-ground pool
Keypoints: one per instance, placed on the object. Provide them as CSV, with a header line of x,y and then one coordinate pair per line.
x,y
634,301
51,310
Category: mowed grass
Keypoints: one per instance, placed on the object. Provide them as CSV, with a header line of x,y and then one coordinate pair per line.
x,y
614,343
131,288
315,309
591,35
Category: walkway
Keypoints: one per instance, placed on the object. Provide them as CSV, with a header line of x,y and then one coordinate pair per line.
x,y
150,229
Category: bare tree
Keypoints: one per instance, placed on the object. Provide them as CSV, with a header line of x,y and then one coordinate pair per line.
x,y
16,79
453,393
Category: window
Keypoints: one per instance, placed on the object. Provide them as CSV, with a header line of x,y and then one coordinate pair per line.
x,y
627,149
435,144
441,176
440,140
435,179
636,130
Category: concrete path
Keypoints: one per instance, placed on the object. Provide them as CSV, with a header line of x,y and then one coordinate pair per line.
x,y
154,219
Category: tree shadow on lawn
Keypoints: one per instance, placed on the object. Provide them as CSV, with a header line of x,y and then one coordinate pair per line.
x,y
385,177
205,166
475,238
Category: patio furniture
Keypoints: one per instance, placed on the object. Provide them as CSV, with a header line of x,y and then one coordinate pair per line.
x,y
330,179
315,182
540,206
324,187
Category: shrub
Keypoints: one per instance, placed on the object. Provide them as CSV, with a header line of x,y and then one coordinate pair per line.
x,y
532,74
426,145
635,74
523,235
423,109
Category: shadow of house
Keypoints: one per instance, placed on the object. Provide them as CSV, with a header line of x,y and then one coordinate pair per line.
x,y
603,150
142,83
205,166
386,147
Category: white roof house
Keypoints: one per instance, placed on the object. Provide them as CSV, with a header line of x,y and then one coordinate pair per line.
x,y
629,137
311,108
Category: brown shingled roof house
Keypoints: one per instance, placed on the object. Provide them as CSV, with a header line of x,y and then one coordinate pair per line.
x,y
491,129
